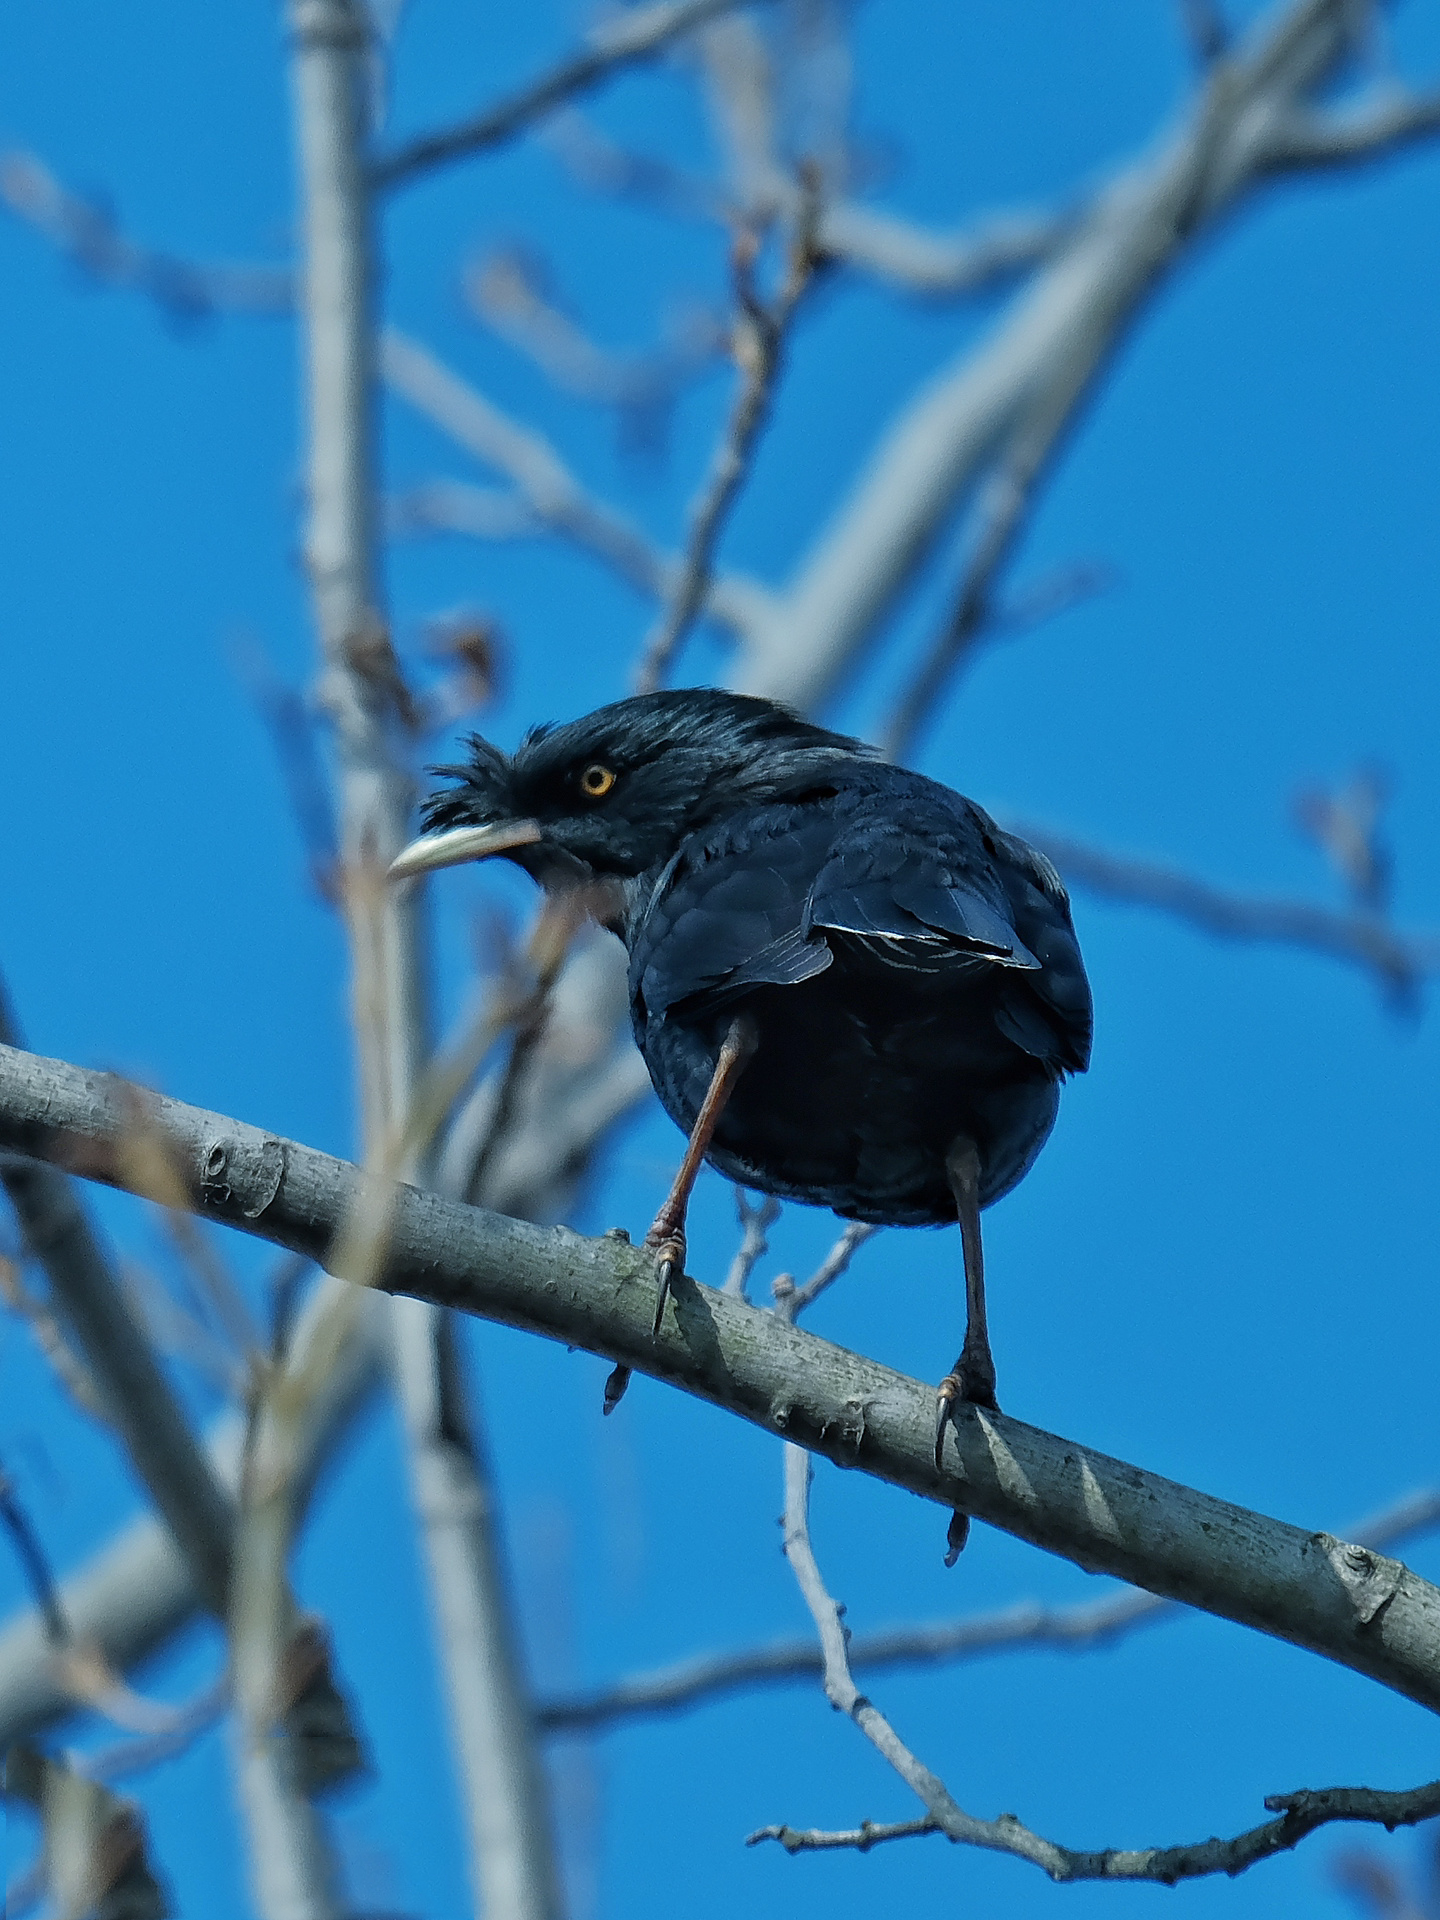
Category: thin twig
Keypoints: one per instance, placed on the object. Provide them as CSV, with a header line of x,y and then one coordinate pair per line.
x,y
761,332
1026,1625
510,291
755,1225
622,41
830,1269
1301,1814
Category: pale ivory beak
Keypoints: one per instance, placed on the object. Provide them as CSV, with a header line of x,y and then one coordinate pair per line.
x,y
449,849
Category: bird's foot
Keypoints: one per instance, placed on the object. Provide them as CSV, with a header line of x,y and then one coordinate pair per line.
x,y
667,1243
971,1379
615,1384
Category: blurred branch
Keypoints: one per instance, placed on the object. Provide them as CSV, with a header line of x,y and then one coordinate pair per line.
x,y
579,1076
137,1397
624,39
1055,339
1079,1629
762,330
1367,130
509,290
294,1874
1001,513
94,1862
137,1591
1338,1599
502,1790
968,260
1399,961
69,1369
755,1224
920,260
31,1555
548,491
86,231
1373,1887
1347,827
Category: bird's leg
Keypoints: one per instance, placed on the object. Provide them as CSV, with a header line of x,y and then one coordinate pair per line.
x,y
973,1375
666,1237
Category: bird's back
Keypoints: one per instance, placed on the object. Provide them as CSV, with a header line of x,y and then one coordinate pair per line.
x,y
912,973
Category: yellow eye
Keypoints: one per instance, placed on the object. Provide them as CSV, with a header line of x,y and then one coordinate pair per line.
x,y
596,781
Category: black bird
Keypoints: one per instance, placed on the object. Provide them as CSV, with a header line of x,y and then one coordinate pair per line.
x,y
850,987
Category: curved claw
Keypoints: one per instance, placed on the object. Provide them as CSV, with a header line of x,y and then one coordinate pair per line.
x,y
616,1383
956,1535
670,1255
946,1395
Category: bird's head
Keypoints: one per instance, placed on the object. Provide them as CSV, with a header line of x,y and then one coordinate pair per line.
x,y
613,795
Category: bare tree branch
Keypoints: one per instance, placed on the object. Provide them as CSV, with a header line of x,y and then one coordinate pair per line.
x,y
917,259
1399,961
138,1399
1367,130
755,1224
761,332
137,1590
87,232
1301,1814
94,1860
1093,1623
511,1860
623,40
1058,335
1339,1599
547,489
1002,511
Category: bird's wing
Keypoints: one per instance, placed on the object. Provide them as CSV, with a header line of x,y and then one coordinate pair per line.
x,y
1048,1013
878,886
730,916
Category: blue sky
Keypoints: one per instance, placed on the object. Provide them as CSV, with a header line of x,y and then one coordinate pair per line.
x,y
1223,1267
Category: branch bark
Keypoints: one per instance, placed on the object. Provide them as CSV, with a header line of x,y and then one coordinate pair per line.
x,y
1338,1599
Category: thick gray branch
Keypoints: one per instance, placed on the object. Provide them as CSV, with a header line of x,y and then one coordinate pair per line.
x,y
1341,1600
137,1396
